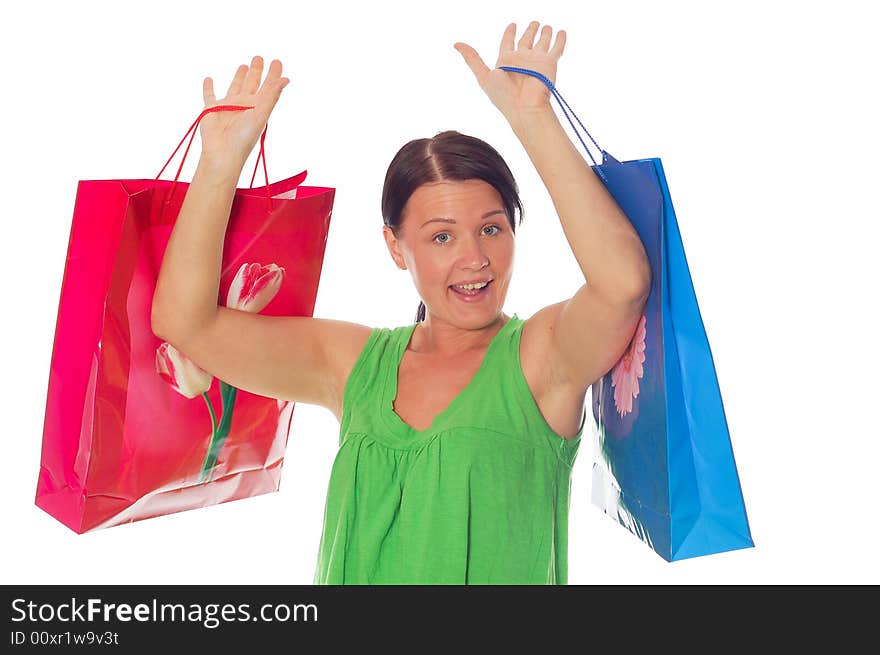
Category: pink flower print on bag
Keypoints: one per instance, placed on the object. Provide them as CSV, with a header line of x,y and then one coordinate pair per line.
x,y
627,372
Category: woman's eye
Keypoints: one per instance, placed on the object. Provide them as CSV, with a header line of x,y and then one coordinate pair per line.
x,y
444,237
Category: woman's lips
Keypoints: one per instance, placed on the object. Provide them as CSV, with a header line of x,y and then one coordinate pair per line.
x,y
471,297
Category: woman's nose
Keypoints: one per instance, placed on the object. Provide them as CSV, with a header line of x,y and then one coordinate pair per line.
x,y
472,255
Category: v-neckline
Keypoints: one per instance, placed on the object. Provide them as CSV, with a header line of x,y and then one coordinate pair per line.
x,y
392,386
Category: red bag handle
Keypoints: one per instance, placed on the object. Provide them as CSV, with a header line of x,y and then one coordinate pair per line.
x,y
192,129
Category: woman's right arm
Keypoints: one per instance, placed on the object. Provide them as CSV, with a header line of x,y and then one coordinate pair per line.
x,y
287,357
296,358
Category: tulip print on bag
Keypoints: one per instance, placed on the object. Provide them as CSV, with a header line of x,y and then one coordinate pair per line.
x,y
253,287
187,379
125,437
184,376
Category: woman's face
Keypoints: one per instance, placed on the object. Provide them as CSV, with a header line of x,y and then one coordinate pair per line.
x,y
455,233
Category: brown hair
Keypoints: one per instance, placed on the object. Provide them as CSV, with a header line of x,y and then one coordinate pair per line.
x,y
447,156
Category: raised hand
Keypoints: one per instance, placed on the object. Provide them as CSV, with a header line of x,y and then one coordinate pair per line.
x,y
229,136
515,93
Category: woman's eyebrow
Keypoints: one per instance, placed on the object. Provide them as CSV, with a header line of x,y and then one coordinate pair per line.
x,y
451,220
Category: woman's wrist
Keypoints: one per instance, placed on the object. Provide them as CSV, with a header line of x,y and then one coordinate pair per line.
x,y
220,171
525,119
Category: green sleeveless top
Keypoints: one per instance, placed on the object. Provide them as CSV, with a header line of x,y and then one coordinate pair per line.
x,y
480,497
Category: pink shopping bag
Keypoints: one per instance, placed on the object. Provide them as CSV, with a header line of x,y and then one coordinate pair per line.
x,y
133,428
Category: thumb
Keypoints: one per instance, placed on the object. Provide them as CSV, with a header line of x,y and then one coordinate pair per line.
x,y
473,60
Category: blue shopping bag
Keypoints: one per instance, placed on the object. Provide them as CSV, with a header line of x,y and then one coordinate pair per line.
x,y
664,465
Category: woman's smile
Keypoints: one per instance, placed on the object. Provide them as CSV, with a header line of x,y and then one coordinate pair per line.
x,y
475,293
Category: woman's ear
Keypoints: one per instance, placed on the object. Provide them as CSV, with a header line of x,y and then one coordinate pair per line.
x,y
393,247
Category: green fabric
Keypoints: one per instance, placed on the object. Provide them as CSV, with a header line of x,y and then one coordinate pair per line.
x,y
480,497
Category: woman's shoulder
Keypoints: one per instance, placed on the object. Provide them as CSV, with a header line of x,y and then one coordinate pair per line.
x,y
345,341
560,403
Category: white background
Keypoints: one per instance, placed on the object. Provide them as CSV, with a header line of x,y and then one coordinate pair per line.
x,y
761,112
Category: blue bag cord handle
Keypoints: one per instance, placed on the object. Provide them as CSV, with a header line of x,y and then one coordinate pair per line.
x,y
606,158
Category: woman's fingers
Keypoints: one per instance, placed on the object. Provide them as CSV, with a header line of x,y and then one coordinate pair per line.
x,y
543,43
270,90
559,46
208,92
528,37
507,39
247,78
272,75
473,60
254,74
246,86
237,81
268,98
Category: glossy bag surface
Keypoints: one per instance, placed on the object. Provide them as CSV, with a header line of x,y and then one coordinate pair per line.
x,y
664,465
134,428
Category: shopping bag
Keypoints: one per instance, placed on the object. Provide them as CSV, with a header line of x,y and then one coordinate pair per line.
x,y
664,465
133,428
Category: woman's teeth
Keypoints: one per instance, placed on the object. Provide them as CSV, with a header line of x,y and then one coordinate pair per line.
x,y
470,289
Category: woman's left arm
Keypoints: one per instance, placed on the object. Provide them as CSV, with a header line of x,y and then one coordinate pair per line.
x,y
590,331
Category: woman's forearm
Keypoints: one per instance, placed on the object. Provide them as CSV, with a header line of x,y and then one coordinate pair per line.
x,y
604,242
189,278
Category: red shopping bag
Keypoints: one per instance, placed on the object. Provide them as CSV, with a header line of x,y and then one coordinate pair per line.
x,y
133,428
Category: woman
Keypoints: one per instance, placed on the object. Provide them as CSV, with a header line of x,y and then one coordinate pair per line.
x,y
457,433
